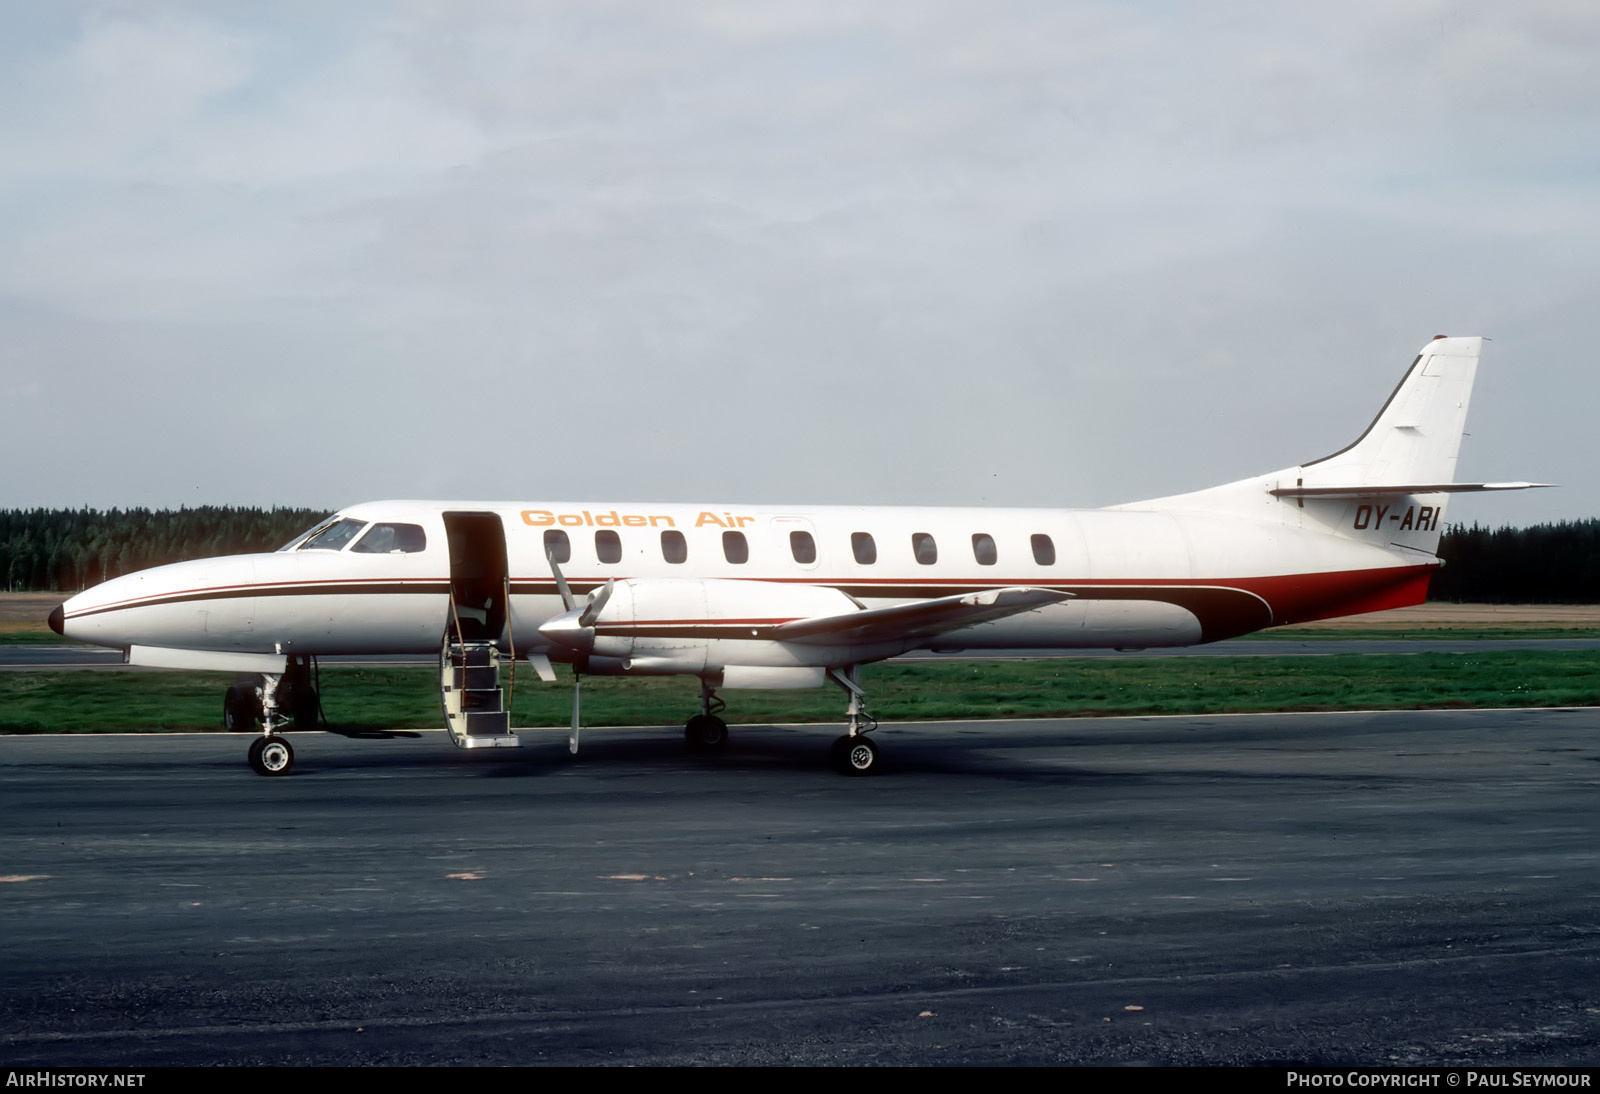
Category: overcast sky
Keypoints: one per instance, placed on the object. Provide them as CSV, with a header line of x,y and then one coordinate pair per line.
x,y
1045,253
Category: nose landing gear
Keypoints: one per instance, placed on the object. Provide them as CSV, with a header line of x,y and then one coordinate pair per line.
x,y
273,700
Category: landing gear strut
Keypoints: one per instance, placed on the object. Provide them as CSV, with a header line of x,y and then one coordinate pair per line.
x,y
297,695
271,754
273,700
855,753
705,732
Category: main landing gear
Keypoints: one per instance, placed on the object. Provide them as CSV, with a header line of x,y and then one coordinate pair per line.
x,y
241,707
273,700
705,732
855,753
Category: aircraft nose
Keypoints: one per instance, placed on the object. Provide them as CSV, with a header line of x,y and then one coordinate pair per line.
x,y
57,618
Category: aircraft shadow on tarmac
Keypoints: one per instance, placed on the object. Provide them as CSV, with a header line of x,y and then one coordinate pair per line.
x,y
1027,752
359,734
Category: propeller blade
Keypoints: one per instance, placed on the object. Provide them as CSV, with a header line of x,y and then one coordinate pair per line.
x,y
597,605
572,739
561,582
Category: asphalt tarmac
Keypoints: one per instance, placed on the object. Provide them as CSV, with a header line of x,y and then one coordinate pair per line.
x,y
50,656
1413,888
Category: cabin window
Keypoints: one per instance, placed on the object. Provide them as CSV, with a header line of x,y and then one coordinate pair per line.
x,y
865,550
735,548
803,547
1044,551
924,548
673,546
557,545
334,537
983,548
393,539
608,546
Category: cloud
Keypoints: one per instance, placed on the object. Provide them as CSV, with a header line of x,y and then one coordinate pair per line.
x,y
924,252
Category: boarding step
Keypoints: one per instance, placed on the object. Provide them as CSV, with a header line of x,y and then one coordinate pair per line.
x,y
474,704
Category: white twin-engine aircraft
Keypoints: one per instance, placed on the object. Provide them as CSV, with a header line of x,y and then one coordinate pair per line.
x,y
762,597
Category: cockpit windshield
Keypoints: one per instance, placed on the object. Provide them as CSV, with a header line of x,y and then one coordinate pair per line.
x,y
334,536
303,536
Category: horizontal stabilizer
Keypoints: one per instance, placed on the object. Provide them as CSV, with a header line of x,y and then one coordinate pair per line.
x,y
1376,491
922,619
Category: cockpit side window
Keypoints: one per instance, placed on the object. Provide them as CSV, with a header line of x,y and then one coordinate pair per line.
x,y
385,539
335,536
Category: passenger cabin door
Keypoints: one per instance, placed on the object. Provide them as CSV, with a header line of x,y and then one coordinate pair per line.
x,y
478,571
469,660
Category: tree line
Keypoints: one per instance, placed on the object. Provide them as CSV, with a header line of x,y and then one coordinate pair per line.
x,y
63,550
1545,564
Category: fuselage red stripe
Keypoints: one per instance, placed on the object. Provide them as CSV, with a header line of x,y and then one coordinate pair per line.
x,y
1271,588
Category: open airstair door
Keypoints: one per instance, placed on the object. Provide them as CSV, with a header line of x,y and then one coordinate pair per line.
x,y
469,660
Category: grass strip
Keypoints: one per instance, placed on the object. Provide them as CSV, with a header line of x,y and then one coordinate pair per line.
x,y
113,701
1416,634
31,634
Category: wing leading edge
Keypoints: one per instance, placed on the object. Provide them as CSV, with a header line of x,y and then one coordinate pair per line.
x,y
922,619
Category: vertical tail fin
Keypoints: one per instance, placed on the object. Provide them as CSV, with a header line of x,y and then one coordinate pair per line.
x,y
1416,437
1389,486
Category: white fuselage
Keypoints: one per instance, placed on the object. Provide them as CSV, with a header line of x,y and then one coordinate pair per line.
x,y
734,591
1138,578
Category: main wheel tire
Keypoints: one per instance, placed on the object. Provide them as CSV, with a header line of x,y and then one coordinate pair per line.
x,y
271,755
859,756
240,709
706,733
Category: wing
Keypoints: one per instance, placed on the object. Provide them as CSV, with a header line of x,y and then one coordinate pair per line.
x,y
920,619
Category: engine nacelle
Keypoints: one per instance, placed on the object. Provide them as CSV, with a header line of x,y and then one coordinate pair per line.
x,y
666,627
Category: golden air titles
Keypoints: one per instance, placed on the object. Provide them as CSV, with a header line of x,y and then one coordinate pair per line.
x,y
545,518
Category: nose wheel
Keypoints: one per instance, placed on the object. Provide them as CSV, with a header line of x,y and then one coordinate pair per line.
x,y
271,755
